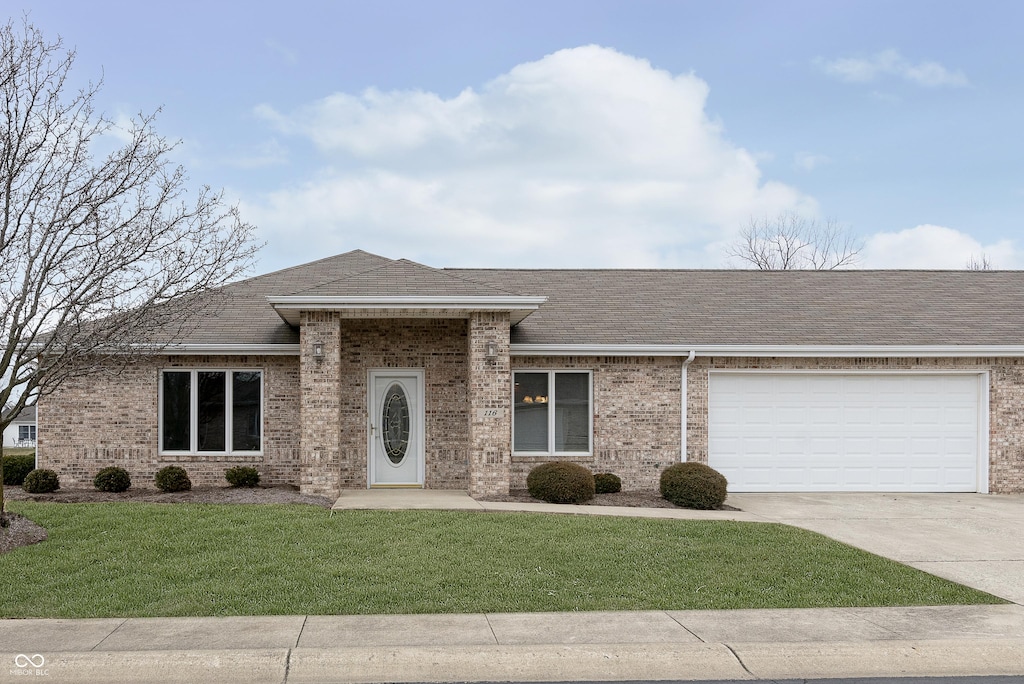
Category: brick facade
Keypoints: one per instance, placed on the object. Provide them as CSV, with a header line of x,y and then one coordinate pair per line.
x,y
335,395
97,421
315,420
637,421
490,391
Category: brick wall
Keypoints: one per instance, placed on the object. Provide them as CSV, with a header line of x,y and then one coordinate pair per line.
x,y
490,392
438,346
112,420
322,455
637,422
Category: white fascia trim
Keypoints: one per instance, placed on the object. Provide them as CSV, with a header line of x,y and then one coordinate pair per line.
x,y
228,349
502,303
840,351
203,349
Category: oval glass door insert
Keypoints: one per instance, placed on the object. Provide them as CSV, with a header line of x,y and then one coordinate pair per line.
x,y
395,423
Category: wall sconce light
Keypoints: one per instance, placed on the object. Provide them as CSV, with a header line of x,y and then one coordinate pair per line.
x,y
318,350
492,350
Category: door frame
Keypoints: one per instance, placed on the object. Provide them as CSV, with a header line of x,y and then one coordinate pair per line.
x,y
419,419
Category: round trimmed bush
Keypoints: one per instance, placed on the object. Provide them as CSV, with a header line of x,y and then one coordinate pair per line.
x,y
41,481
16,468
561,482
112,479
607,483
693,485
242,476
173,479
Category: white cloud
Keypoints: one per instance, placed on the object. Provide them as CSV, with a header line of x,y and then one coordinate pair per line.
x,y
584,157
891,63
935,247
807,161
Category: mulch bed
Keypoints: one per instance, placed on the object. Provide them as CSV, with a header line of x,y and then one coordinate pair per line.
x,y
630,499
283,494
627,499
20,531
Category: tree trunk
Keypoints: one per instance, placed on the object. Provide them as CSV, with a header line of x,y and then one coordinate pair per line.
x,y
3,504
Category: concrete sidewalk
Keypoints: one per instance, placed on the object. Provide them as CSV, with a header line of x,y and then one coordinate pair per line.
x,y
731,644
458,500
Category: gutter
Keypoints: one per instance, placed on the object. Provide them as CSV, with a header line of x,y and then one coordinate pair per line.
x,y
682,404
781,350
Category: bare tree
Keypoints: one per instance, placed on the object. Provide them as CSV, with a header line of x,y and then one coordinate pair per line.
x,y
790,241
98,252
982,263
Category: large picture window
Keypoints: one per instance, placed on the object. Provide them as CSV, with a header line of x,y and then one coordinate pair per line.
x,y
552,412
218,411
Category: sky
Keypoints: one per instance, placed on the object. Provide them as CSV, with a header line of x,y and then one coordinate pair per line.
x,y
579,133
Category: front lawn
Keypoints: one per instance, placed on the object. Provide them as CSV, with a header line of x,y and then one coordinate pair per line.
x,y
158,560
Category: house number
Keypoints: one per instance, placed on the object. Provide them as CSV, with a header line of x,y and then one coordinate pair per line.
x,y
489,413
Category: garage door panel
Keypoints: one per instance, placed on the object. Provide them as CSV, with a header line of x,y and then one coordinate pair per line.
x,y
844,432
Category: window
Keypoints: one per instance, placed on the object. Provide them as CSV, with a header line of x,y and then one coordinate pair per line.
x,y
214,411
552,412
26,433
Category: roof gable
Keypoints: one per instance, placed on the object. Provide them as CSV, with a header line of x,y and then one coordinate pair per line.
x,y
403,278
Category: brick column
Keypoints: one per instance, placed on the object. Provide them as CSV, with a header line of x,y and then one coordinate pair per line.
x,y
320,383
490,392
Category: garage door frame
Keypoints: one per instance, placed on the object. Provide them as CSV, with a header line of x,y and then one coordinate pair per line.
x,y
983,400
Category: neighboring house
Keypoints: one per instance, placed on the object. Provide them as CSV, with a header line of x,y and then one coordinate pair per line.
x,y
357,371
22,430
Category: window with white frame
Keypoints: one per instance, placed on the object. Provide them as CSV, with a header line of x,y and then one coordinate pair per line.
x,y
218,411
26,433
552,412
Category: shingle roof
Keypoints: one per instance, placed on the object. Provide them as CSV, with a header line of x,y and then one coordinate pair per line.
x,y
402,278
26,415
245,317
768,307
678,307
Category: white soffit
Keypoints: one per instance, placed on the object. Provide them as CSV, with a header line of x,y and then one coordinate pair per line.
x,y
519,307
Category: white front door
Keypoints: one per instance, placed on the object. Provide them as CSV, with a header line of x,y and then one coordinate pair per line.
x,y
396,428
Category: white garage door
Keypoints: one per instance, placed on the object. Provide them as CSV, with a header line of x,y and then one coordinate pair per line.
x,y
792,432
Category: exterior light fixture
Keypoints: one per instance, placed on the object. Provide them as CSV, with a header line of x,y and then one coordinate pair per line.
x,y
492,350
318,350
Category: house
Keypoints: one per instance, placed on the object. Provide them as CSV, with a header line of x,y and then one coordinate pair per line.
x,y
21,432
361,371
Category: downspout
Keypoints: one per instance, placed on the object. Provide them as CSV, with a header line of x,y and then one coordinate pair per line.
x,y
682,404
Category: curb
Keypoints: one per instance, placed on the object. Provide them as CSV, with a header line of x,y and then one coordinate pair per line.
x,y
751,661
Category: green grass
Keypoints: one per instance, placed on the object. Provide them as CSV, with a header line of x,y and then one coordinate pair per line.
x,y
19,451
159,560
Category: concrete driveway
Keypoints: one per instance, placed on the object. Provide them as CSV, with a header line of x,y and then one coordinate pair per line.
x,y
973,539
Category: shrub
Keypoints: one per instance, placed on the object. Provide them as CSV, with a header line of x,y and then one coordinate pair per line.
x,y
607,483
561,482
242,476
17,467
693,485
41,481
173,479
112,479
